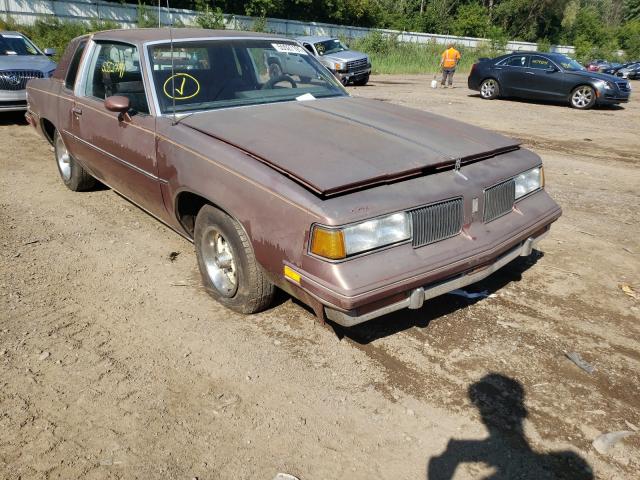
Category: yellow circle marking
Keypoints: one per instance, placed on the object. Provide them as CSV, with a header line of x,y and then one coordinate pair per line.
x,y
179,83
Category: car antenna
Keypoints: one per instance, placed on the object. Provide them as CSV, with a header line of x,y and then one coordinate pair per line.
x,y
173,73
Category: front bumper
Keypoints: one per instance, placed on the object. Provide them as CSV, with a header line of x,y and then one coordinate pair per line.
x,y
416,297
606,97
13,100
346,77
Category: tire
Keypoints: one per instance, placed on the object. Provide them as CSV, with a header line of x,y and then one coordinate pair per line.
x,y
583,97
72,174
489,89
275,70
362,82
230,272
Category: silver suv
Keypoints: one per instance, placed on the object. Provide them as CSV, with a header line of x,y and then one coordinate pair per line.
x,y
350,66
20,61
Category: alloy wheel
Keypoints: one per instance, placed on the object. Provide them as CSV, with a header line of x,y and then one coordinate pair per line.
x,y
582,97
488,88
219,262
63,158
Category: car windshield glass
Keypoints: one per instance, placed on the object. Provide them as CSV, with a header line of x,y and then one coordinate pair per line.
x,y
330,46
16,45
569,63
212,74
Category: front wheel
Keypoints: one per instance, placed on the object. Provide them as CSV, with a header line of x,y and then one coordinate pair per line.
x,y
71,172
583,97
489,89
230,272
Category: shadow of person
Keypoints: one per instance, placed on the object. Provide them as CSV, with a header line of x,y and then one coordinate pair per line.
x,y
506,451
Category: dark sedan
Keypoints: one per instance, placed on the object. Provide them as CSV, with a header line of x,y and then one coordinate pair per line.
x,y
546,76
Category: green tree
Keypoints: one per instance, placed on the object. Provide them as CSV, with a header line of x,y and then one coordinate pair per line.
x,y
209,17
146,18
472,20
631,9
629,38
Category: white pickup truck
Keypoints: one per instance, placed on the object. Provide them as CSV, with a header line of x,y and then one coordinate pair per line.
x,y
349,66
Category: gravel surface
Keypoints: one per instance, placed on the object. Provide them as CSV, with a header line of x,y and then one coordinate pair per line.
x,y
114,363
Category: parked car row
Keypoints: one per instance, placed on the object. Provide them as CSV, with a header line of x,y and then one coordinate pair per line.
x,y
630,70
415,211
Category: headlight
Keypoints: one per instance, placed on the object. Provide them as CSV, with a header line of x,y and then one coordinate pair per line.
x,y
529,181
340,66
339,243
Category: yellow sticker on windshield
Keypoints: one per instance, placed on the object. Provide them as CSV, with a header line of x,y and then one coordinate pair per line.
x,y
181,86
113,67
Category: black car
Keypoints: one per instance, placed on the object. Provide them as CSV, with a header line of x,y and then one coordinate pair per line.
x,y
633,71
546,76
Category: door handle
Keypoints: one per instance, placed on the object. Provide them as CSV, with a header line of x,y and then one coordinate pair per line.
x,y
529,73
77,111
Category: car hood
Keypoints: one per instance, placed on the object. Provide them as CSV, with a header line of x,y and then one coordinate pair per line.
x,y
26,62
345,56
593,75
334,145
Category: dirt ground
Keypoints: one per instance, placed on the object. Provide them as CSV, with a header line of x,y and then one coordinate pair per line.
x,y
114,363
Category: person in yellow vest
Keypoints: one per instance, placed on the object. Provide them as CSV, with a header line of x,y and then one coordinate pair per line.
x,y
448,63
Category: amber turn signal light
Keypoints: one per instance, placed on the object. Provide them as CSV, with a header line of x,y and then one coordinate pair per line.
x,y
291,274
328,243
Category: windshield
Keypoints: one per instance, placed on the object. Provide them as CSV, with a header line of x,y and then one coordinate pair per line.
x,y
330,46
16,45
214,74
569,64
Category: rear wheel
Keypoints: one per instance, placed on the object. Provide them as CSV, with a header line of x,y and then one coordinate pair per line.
x,y
489,89
71,172
583,97
230,272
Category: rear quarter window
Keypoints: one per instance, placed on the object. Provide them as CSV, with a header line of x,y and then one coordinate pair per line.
x,y
72,71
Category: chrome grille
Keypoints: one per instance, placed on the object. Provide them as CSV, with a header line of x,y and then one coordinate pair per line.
x,y
436,222
17,79
623,86
356,65
499,199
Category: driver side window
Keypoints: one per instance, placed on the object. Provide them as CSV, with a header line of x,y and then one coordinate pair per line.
x,y
115,69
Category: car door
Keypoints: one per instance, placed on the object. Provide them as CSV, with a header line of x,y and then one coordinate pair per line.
x,y
119,150
511,74
544,79
67,74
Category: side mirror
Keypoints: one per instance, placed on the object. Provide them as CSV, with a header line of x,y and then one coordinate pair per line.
x,y
119,104
552,69
49,52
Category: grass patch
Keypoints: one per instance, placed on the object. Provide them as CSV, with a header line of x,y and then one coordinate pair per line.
x,y
388,56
